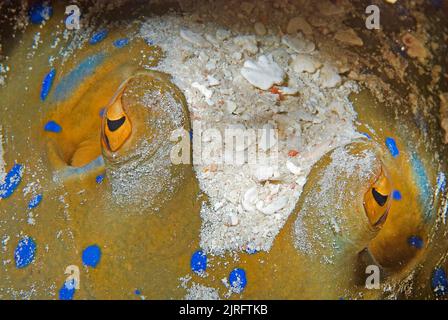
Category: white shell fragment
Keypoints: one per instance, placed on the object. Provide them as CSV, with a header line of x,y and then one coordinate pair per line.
x,y
298,43
212,81
305,63
263,73
288,91
293,168
266,173
329,77
272,207
297,24
249,199
203,89
193,38
247,43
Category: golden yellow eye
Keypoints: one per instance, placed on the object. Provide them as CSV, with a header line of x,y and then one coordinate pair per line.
x,y
377,200
116,126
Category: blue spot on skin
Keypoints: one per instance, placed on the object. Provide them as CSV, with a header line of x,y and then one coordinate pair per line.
x,y
47,83
52,126
99,178
70,82
237,279
40,12
198,262
439,282
392,146
12,181
365,134
25,252
396,195
91,256
137,292
120,43
415,241
98,37
102,112
67,291
35,201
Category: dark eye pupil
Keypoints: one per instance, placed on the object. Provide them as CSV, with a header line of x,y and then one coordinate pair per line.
x,y
379,198
115,124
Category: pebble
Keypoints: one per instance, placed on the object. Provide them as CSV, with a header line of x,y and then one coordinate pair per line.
x,y
212,81
198,262
233,219
349,37
223,34
298,43
260,29
47,83
297,24
91,256
329,77
12,181
415,48
35,201
52,126
40,12
305,63
328,8
98,37
193,38
247,7
247,43
263,73
237,280
230,106
25,252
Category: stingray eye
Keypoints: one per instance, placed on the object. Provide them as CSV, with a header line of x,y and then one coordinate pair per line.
x,y
379,198
376,200
116,126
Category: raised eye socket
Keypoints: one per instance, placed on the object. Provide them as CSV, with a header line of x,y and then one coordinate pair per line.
x,y
116,126
379,198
